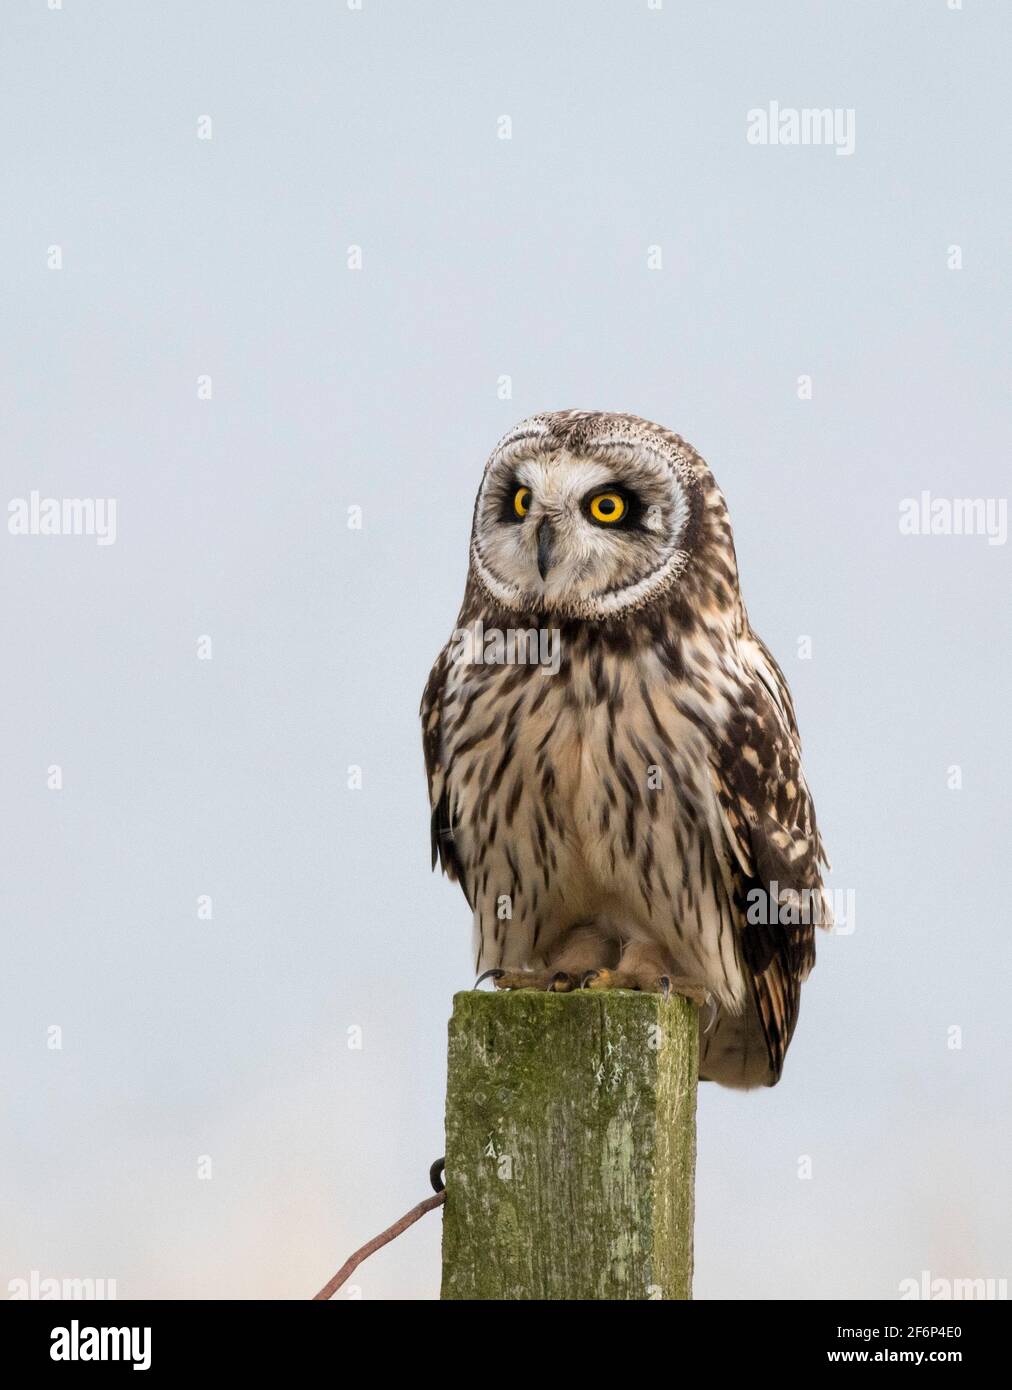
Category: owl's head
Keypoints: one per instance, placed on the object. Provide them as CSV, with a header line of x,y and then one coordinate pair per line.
x,y
588,514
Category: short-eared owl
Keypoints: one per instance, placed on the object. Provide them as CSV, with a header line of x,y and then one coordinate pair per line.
x,y
613,759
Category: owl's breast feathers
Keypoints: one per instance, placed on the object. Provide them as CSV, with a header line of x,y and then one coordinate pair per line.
x,y
710,708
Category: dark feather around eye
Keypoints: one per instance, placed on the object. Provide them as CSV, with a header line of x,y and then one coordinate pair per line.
x,y
632,518
507,511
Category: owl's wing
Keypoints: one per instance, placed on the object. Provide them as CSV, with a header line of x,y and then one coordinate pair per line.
x,y
768,816
443,848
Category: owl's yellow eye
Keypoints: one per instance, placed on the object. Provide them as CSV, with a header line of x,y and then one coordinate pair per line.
x,y
521,501
607,507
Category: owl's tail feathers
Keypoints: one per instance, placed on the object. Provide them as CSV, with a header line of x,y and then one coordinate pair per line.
x,y
733,1052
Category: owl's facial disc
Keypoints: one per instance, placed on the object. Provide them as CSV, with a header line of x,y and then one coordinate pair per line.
x,y
582,535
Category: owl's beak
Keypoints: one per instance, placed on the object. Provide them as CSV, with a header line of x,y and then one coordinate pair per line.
x,y
546,539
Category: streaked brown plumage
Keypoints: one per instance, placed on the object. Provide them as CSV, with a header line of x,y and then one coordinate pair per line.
x,y
628,812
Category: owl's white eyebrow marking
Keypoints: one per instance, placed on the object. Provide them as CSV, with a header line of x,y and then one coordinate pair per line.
x,y
609,450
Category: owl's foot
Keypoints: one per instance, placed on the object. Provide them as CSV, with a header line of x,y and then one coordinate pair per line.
x,y
554,981
648,981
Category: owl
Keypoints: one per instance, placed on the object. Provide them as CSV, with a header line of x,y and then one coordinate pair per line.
x,y
613,758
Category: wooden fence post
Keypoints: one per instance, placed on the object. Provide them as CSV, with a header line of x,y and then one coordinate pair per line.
x,y
570,1146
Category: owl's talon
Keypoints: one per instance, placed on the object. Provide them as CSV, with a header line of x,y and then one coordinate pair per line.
x,y
670,985
554,981
564,982
645,979
560,983
609,979
697,994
